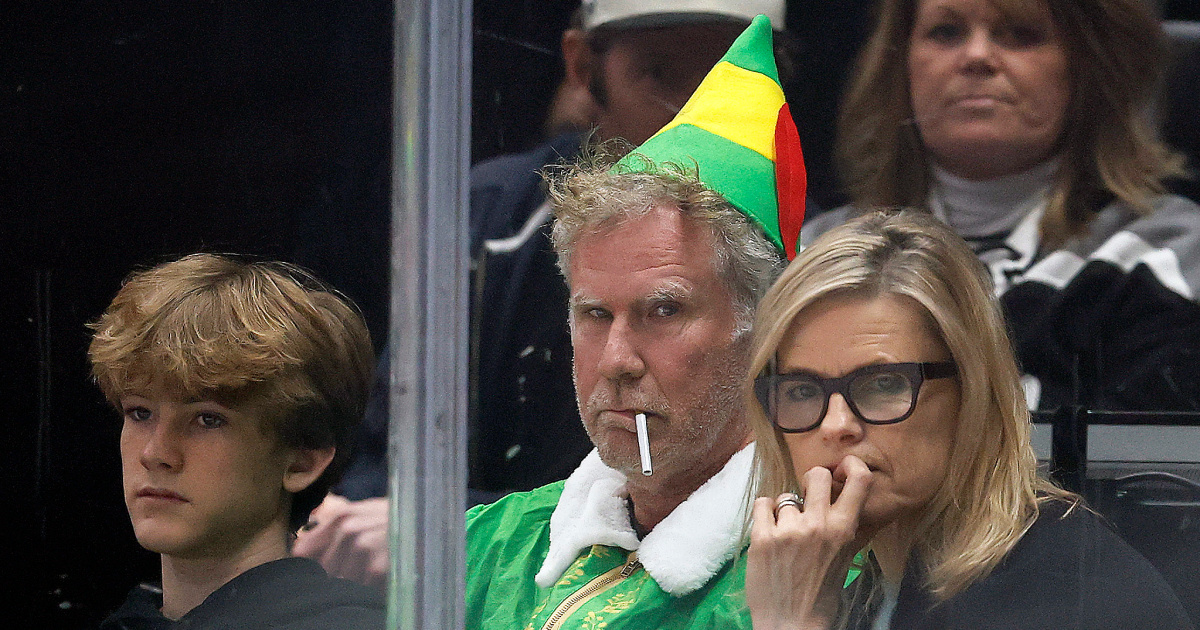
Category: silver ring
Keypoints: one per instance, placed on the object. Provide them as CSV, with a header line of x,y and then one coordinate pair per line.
x,y
790,499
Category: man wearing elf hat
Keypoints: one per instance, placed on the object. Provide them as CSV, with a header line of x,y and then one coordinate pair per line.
x,y
629,65
666,253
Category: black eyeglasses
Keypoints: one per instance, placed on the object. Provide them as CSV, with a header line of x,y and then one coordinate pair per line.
x,y
877,394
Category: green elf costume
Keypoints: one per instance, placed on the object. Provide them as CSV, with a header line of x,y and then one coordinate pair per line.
x,y
566,555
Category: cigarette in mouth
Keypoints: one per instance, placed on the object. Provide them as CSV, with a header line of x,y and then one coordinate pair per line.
x,y
644,444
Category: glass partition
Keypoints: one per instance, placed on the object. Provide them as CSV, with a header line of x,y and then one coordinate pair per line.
x,y
427,388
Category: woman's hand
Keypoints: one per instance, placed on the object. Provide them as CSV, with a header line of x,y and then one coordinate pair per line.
x,y
799,555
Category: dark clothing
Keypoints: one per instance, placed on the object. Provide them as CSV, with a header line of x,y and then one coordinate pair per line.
x,y
366,476
291,594
1121,300
525,429
1065,573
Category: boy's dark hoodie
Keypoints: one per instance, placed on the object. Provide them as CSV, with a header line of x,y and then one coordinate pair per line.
x,y
287,594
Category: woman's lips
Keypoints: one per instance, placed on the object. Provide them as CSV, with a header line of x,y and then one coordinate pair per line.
x,y
978,100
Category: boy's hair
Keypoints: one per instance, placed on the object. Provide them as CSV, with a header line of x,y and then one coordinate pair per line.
x,y
214,327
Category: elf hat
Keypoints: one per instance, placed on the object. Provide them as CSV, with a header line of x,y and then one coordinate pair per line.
x,y
737,132
647,13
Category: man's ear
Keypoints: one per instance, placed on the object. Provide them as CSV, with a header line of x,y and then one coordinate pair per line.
x,y
578,59
306,467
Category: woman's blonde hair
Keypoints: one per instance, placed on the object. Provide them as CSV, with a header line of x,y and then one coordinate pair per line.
x,y
991,490
1115,57
268,334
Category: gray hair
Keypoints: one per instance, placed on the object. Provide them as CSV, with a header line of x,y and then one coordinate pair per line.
x,y
590,197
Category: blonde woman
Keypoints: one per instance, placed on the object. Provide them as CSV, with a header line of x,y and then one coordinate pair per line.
x,y
890,418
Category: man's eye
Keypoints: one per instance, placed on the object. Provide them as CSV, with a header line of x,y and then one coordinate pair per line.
x,y
137,414
210,420
595,313
664,310
659,72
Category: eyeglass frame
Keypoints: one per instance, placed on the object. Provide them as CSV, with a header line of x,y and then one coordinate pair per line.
x,y
917,373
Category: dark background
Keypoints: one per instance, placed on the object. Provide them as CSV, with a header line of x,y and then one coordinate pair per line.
x,y
135,131
132,132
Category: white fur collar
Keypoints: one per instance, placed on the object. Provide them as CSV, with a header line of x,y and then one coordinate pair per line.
x,y
682,553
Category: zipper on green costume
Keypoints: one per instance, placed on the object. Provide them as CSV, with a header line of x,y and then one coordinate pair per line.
x,y
598,585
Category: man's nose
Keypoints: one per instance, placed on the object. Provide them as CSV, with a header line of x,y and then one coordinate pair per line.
x,y
620,358
840,424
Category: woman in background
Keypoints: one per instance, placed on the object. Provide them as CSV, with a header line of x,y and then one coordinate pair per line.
x,y
889,418
1023,125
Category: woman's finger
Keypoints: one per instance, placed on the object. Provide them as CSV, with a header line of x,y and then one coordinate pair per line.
x,y
855,488
817,485
763,517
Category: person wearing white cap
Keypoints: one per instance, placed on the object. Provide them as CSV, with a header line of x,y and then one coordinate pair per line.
x,y
632,63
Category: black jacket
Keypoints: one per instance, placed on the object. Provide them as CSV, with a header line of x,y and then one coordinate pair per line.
x,y
1066,573
525,429
287,594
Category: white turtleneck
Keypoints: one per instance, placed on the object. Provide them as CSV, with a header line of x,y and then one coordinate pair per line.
x,y
991,207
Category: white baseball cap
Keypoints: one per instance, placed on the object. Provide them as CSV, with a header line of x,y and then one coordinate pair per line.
x,y
642,13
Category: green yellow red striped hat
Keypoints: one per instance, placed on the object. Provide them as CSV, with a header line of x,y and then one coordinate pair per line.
x,y
738,132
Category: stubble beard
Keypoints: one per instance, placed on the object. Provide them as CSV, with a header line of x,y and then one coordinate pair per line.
x,y
696,426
